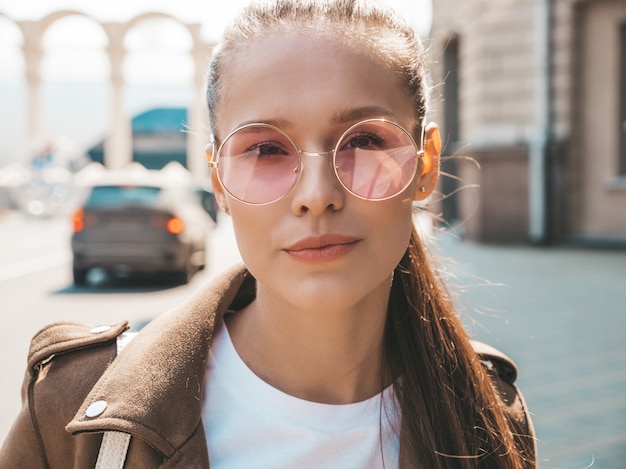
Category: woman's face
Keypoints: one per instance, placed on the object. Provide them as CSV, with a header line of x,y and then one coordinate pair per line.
x,y
319,246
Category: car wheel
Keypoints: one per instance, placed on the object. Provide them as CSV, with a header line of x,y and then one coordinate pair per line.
x,y
197,261
181,277
80,276
202,263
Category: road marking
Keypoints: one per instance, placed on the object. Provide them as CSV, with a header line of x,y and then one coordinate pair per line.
x,y
30,266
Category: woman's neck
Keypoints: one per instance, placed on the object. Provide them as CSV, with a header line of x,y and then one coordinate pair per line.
x,y
332,357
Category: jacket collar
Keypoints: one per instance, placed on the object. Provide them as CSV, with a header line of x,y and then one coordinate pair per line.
x,y
154,389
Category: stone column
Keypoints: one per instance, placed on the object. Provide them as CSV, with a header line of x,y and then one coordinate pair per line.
x,y
197,137
33,53
118,145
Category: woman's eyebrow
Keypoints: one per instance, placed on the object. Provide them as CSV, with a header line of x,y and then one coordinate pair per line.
x,y
343,116
354,114
277,122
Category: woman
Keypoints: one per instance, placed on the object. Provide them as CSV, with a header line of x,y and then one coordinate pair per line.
x,y
335,345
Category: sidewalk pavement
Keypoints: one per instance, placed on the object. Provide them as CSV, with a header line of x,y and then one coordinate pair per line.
x,y
560,313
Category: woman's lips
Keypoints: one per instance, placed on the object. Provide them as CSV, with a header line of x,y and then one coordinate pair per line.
x,y
323,248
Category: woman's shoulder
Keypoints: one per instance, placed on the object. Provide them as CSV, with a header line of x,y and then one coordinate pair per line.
x,y
65,360
64,337
496,360
503,373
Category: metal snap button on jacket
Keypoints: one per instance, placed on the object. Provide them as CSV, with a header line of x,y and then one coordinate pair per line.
x,y
96,408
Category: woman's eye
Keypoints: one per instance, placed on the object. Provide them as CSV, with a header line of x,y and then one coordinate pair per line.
x,y
364,141
266,150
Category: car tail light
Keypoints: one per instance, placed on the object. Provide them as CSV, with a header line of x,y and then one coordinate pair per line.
x,y
78,221
175,225
82,220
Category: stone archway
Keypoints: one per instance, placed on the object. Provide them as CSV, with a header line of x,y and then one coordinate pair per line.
x,y
200,53
12,91
118,146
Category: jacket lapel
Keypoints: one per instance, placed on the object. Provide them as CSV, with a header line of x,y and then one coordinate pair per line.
x,y
154,389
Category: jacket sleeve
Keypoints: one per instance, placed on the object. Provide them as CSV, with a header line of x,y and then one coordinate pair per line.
x,y
503,373
56,381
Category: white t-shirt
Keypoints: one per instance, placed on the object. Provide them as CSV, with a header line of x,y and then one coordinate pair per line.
x,y
249,424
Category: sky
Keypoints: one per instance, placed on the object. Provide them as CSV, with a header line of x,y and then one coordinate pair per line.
x,y
157,69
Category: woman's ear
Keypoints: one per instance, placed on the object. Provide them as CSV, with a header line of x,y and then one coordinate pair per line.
x,y
216,185
428,169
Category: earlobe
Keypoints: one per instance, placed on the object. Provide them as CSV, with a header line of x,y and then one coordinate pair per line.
x,y
429,162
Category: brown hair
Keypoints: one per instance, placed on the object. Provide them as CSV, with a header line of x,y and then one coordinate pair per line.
x,y
353,22
451,417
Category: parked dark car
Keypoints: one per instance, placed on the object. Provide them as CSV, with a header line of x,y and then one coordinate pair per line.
x,y
141,221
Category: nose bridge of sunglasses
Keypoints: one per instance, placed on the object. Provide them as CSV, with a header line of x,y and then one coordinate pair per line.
x,y
302,153
315,153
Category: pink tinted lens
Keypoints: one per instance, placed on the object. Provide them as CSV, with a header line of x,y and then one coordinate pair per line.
x,y
258,164
376,160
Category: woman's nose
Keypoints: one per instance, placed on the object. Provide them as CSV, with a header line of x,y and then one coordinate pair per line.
x,y
318,188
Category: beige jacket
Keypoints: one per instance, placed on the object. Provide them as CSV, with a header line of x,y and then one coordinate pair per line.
x,y
152,391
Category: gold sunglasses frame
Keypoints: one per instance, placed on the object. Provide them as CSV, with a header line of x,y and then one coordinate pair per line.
x,y
214,162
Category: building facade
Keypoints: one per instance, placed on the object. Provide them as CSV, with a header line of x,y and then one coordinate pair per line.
x,y
531,99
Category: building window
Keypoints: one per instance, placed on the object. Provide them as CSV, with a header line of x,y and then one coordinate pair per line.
x,y
622,92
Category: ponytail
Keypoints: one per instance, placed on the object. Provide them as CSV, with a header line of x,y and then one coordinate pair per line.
x,y
451,417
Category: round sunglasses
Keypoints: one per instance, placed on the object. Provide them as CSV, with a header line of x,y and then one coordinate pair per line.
x,y
374,159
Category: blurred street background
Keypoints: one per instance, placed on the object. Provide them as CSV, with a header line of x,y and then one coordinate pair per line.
x,y
530,96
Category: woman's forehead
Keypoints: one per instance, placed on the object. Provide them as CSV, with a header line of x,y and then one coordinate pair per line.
x,y
298,41
291,71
